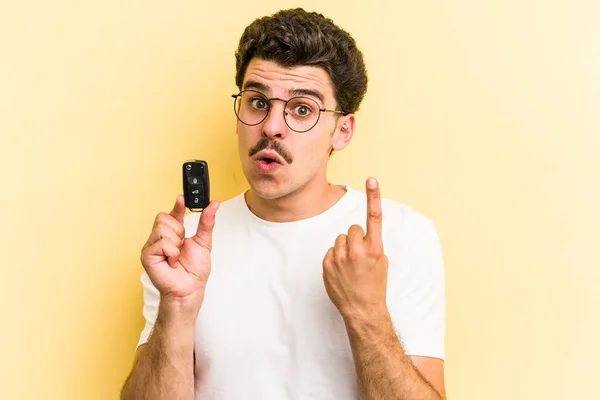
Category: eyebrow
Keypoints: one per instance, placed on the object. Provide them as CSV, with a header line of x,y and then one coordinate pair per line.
x,y
308,92
256,85
295,92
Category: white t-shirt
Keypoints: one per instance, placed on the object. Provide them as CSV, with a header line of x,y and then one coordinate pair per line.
x,y
268,330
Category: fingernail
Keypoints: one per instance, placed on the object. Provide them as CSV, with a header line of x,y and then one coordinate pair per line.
x,y
372,183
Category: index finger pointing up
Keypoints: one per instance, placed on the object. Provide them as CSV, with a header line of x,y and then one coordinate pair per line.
x,y
374,214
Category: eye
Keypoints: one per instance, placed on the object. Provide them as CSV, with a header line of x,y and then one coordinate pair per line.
x,y
259,103
302,110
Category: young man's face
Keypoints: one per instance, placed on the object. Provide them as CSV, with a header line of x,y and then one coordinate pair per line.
x,y
301,157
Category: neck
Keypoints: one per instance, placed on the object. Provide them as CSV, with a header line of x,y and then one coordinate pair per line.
x,y
308,201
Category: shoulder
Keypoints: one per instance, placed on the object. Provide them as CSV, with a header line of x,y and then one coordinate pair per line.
x,y
397,216
412,233
409,236
401,214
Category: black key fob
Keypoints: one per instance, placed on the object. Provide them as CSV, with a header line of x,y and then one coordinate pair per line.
x,y
196,186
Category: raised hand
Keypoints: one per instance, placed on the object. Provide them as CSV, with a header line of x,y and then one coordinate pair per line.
x,y
177,266
355,268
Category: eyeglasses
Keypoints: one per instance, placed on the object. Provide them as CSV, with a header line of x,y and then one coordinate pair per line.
x,y
300,113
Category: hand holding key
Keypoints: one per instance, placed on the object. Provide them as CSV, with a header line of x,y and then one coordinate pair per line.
x,y
179,267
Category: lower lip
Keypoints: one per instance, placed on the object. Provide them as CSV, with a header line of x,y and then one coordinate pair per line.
x,y
267,168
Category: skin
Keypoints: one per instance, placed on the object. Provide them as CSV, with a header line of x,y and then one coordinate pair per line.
x,y
179,268
354,269
298,190
355,273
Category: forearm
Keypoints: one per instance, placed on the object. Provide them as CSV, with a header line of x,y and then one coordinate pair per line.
x,y
165,366
384,371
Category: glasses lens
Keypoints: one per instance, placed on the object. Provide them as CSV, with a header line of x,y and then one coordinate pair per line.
x,y
251,107
301,113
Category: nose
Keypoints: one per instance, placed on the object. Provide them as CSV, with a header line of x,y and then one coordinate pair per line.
x,y
274,126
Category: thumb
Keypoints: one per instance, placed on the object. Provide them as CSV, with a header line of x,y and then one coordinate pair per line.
x,y
178,211
206,224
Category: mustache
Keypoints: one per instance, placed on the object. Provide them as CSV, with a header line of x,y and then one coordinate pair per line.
x,y
276,146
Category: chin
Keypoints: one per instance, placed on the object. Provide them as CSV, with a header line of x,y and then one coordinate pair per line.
x,y
268,189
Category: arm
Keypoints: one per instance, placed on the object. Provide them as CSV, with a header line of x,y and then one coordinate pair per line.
x,y
384,371
178,269
355,272
164,366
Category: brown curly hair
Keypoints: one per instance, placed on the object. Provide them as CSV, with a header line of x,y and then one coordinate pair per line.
x,y
297,38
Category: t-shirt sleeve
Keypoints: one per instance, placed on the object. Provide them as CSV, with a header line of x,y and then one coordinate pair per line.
x,y
417,305
150,310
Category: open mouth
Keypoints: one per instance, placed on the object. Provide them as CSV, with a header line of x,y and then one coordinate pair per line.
x,y
267,165
268,160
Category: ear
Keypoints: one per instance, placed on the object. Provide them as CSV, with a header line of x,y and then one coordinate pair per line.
x,y
343,132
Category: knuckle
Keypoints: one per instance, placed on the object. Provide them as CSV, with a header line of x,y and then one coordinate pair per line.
x,y
355,252
375,252
375,215
165,243
340,256
328,260
161,216
159,227
159,222
169,248
355,229
160,233
341,240
165,230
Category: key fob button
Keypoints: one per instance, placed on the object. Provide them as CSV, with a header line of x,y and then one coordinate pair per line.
x,y
196,186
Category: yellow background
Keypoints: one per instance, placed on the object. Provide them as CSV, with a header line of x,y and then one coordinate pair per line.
x,y
483,115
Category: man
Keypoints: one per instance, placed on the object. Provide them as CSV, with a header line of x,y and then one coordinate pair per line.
x,y
316,291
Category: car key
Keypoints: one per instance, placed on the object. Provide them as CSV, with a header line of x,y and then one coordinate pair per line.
x,y
196,185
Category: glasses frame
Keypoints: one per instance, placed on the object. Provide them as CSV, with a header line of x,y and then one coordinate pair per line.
x,y
270,106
